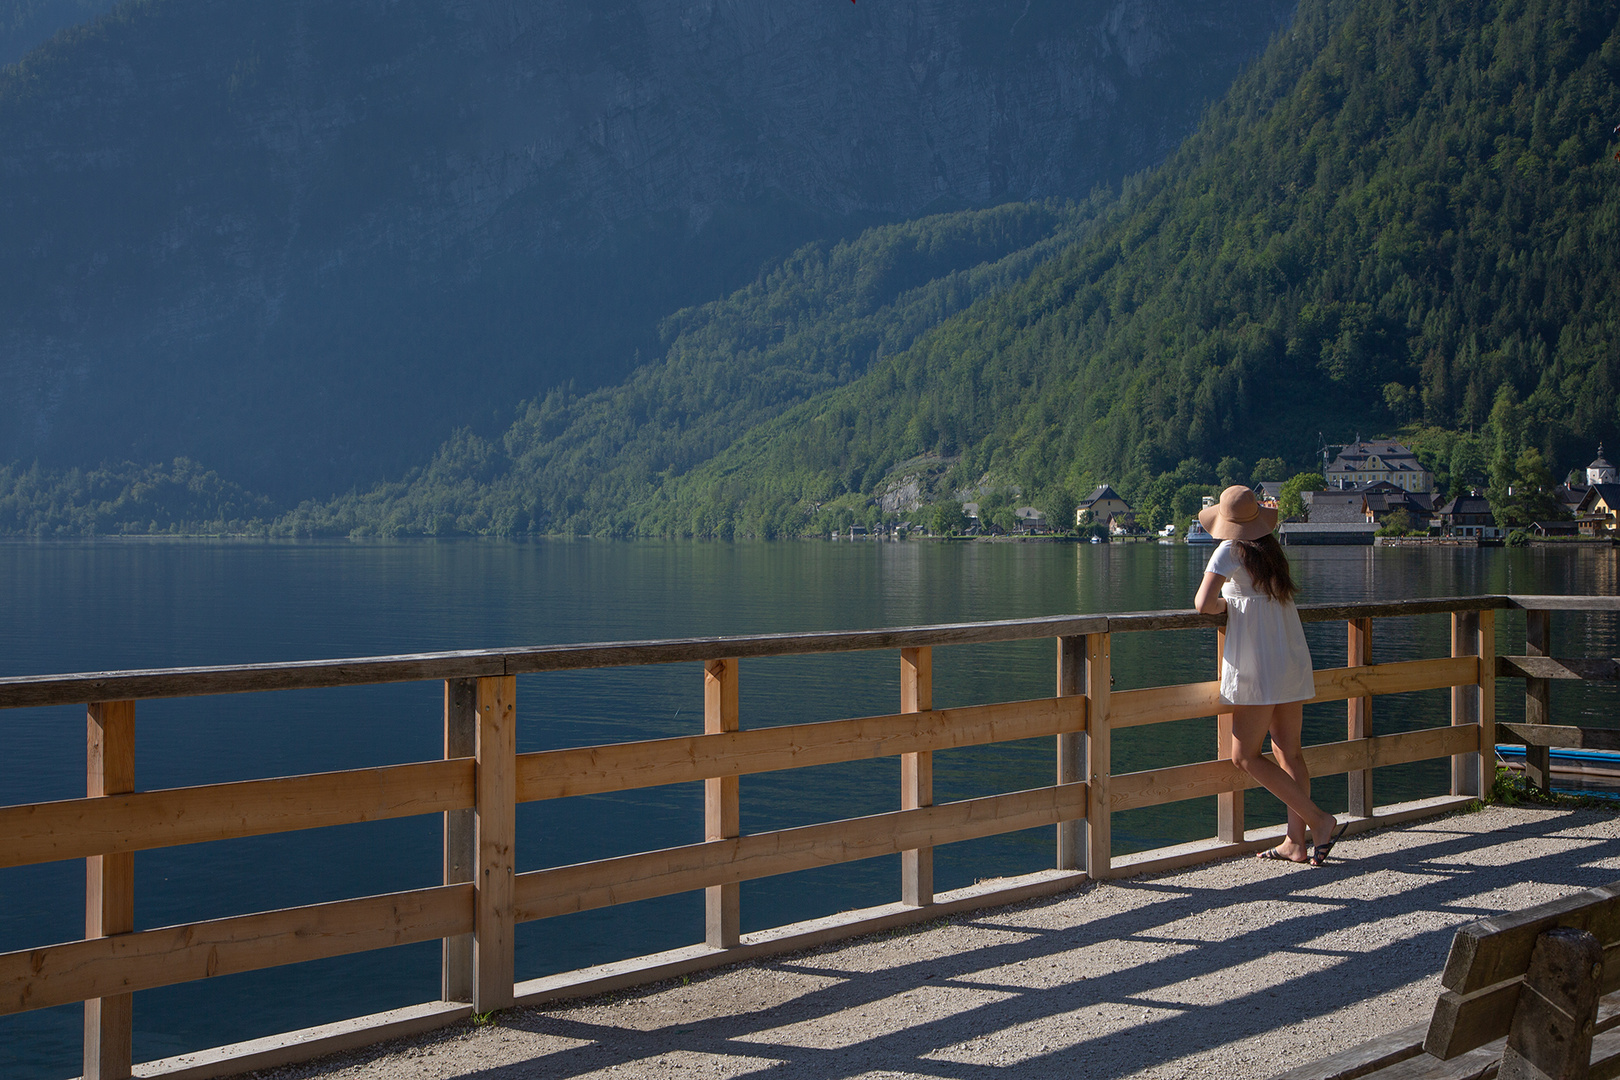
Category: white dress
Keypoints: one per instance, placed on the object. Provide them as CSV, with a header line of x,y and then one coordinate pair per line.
x,y
1266,661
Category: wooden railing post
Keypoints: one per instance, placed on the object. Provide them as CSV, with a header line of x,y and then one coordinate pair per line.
x,y
460,841
1487,699
1358,652
1538,698
495,822
1099,763
722,818
109,887
1228,804
1071,682
1467,772
917,775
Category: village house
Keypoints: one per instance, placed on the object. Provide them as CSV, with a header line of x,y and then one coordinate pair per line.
x,y
1383,502
1469,515
1029,519
1335,507
1107,508
1366,462
1599,512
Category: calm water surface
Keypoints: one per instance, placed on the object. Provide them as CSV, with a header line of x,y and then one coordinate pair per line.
x,y
114,605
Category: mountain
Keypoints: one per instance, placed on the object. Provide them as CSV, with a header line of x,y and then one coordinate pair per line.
x,y
1403,215
24,24
300,243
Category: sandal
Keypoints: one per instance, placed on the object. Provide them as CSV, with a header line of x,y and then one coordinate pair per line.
x,y
1319,852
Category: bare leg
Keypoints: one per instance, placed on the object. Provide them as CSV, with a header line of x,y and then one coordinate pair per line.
x,y
1286,723
1249,726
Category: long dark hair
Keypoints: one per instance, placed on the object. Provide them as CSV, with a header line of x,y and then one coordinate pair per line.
x,y
1268,566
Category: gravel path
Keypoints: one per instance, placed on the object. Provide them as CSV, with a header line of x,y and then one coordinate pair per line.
x,y
1236,969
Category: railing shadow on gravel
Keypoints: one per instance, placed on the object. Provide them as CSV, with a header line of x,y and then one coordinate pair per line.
x,y
1059,1012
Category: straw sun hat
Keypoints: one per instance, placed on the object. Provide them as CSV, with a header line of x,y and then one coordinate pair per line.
x,y
1238,516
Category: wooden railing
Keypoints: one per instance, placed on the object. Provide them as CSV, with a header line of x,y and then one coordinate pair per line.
x,y
481,779
1539,668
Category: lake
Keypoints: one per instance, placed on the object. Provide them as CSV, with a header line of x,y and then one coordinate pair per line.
x,y
114,604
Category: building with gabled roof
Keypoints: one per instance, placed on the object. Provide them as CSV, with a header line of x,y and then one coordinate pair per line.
x,y
1105,505
1368,461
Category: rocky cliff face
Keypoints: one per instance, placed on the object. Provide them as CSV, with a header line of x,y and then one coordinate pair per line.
x,y
301,241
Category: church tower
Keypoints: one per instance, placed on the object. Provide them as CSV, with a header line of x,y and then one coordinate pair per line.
x,y
1601,472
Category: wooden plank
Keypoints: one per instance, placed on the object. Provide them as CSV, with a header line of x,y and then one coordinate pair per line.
x,y
1491,950
1466,769
305,1044
31,691
76,828
1577,738
1485,646
42,690
563,890
1551,1035
1598,669
1565,603
109,887
1099,754
1402,677
1392,609
916,775
1153,787
1363,1059
460,833
722,811
99,967
1358,716
555,774
1161,704
495,823
1228,804
1538,698
1071,683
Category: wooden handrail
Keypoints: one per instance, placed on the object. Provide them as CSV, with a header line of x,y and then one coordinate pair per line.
x,y
32,691
479,782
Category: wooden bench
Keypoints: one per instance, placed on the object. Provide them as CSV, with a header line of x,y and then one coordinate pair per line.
x,y
1523,1000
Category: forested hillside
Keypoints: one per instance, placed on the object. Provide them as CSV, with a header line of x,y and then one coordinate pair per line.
x,y
1404,217
1406,214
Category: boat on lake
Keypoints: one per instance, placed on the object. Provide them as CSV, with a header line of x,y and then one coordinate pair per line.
x,y
1197,534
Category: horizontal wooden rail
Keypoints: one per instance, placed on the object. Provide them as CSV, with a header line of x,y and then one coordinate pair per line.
x,y
545,893
1162,704
33,691
100,967
1597,669
1562,735
555,774
108,824
1153,787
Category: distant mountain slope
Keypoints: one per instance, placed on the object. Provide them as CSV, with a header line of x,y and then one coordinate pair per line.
x,y
25,24
579,463
301,242
1403,212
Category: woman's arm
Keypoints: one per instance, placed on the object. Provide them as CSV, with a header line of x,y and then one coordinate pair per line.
x,y
1209,600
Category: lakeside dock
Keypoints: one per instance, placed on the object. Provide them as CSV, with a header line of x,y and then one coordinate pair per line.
x,y
1235,969
476,787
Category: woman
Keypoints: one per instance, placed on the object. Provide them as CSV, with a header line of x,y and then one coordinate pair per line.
x,y
1266,668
